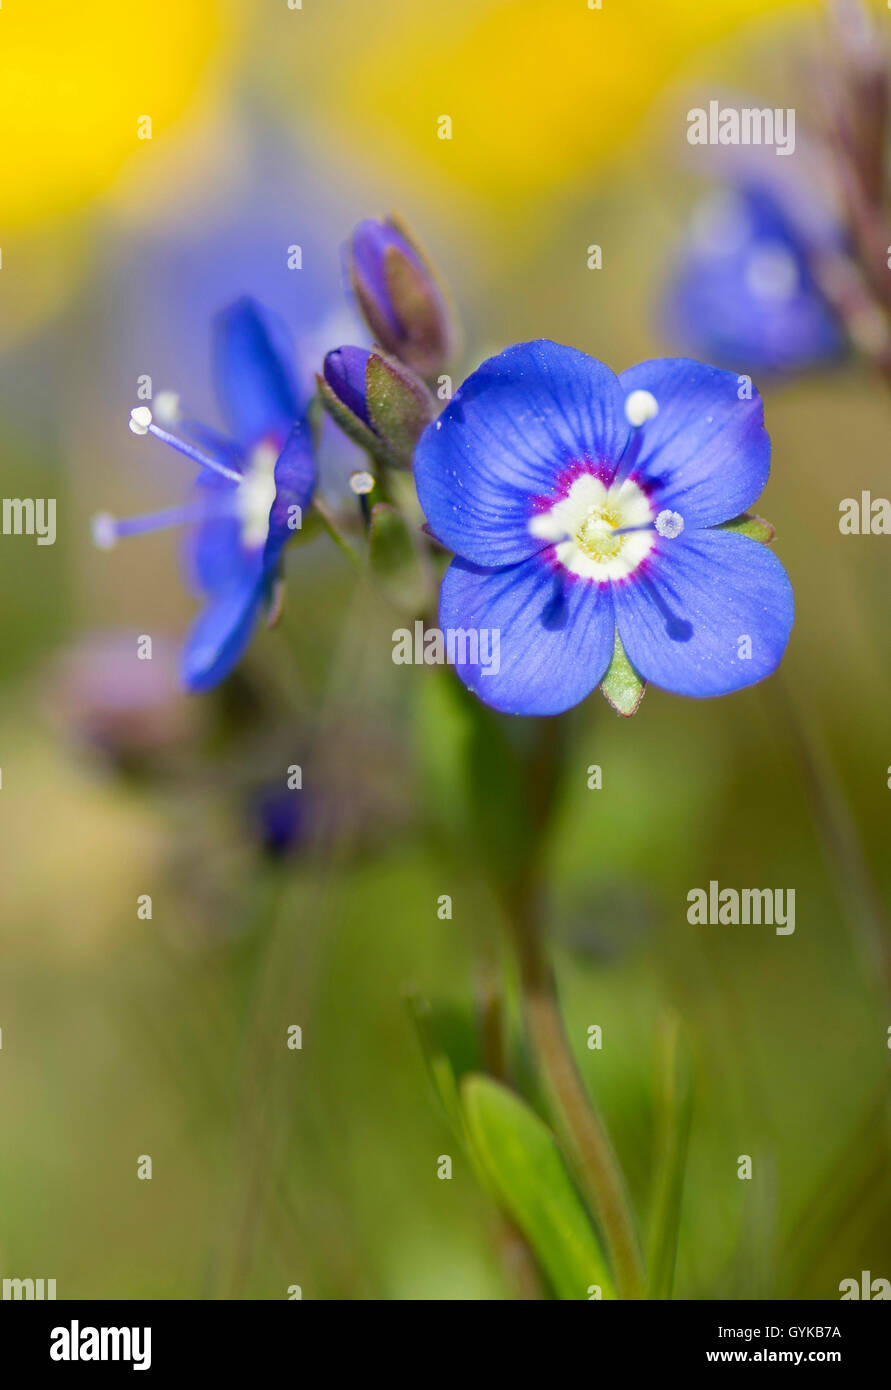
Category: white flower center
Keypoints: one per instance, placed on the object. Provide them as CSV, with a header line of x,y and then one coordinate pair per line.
x,y
598,532
255,496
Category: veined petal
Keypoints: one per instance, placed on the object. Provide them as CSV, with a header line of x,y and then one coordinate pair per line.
x,y
255,380
548,638
295,481
707,613
706,454
513,430
219,636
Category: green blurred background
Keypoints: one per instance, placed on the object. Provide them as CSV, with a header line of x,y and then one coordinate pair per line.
x,y
123,1037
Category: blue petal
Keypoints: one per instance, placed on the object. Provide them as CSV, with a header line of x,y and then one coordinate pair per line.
x,y
722,307
706,454
555,635
295,481
220,635
517,423
213,554
254,373
344,371
684,616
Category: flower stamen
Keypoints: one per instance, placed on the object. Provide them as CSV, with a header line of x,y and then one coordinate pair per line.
x,y
141,422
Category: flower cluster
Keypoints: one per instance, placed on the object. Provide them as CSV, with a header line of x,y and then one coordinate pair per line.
x,y
596,521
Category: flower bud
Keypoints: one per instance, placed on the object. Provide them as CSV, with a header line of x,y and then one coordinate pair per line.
x,y
398,295
377,401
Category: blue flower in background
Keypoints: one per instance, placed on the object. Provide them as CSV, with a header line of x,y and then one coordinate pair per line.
x,y
251,490
744,292
579,504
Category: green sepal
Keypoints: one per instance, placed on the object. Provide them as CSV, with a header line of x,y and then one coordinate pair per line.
x,y
622,686
748,525
399,404
352,426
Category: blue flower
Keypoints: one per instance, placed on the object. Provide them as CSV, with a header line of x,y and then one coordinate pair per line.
x,y
252,487
579,504
744,293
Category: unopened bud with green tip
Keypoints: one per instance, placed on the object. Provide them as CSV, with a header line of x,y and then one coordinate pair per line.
x,y
377,401
399,296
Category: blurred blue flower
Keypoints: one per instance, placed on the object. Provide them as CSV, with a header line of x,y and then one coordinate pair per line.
x,y
252,487
743,292
277,820
580,504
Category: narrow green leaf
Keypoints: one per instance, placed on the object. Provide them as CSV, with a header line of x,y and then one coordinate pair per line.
x,y
675,1105
621,685
748,525
525,1172
449,1048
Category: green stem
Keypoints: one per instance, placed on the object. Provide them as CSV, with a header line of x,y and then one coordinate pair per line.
x,y
598,1167
334,531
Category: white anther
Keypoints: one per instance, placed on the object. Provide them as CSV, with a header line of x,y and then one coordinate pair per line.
x,y
104,530
167,407
140,419
669,524
640,406
361,482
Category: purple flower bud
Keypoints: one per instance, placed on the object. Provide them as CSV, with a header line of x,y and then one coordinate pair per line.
x,y
344,372
378,401
398,295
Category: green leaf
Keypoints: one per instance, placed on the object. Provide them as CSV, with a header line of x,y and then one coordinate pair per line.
x,y
621,685
525,1172
748,525
675,1105
449,1048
